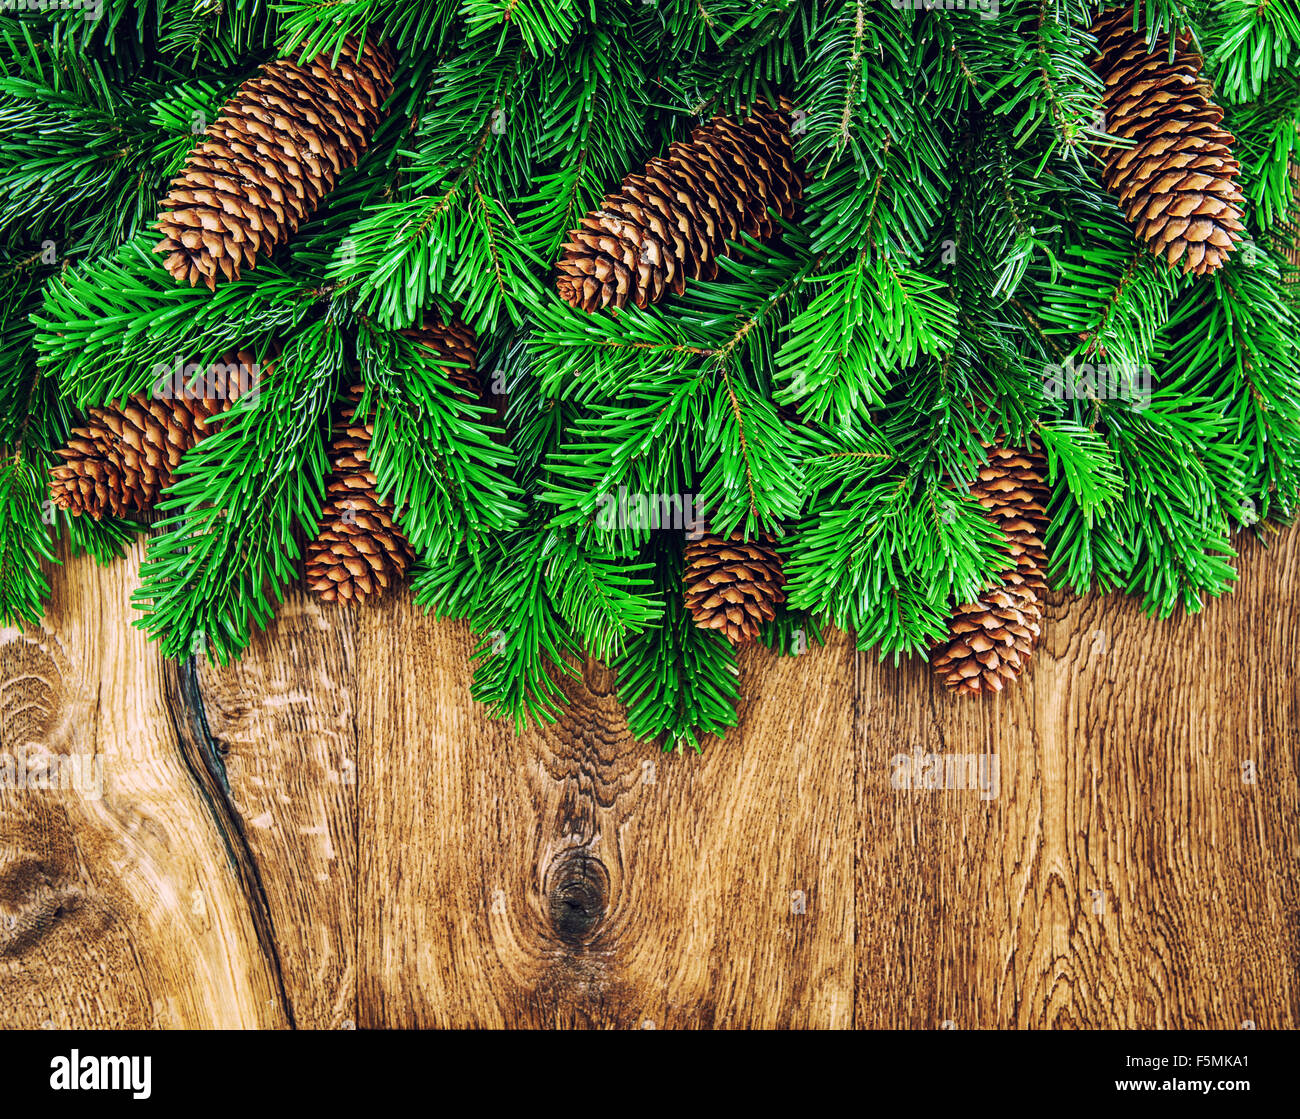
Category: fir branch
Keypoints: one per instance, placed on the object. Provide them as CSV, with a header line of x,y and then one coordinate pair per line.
x,y
107,325
869,319
446,469
525,642
886,546
312,27
679,683
1239,342
227,547
24,543
544,25
1254,42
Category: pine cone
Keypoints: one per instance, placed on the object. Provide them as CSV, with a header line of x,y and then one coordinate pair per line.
x,y
359,551
991,638
1177,184
456,342
732,584
671,222
277,149
125,456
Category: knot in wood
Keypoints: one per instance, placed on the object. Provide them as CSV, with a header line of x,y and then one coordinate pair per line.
x,y
578,894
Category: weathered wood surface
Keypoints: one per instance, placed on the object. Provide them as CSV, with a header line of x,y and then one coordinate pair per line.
x,y
331,834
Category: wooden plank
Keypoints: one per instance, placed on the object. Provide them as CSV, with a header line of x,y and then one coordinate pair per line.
x,y
1125,875
283,719
573,877
122,902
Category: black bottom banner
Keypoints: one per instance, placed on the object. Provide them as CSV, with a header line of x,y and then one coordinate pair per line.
x,y
336,1068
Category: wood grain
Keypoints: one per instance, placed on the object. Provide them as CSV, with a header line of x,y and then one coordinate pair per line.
x,y
331,833
577,877
122,904
283,720
1126,875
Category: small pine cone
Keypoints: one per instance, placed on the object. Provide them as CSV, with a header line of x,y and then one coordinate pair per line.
x,y
671,222
991,638
277,149
733,584
1177,183
456,342
359,551
125,456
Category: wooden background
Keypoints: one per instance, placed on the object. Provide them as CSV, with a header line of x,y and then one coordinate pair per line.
x,y
330,834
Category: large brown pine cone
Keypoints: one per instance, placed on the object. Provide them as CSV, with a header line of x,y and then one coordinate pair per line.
x,y
732,584
1177,183
277,149
125,456
671,222
359,551
456,342
990,639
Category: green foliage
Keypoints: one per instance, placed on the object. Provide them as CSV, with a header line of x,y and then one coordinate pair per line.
x,y
866,321
1252,43
106,324
445,469
33,422
525,642
679,682
885,546
1268,147
24,542
956,274
1030,66
226,549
